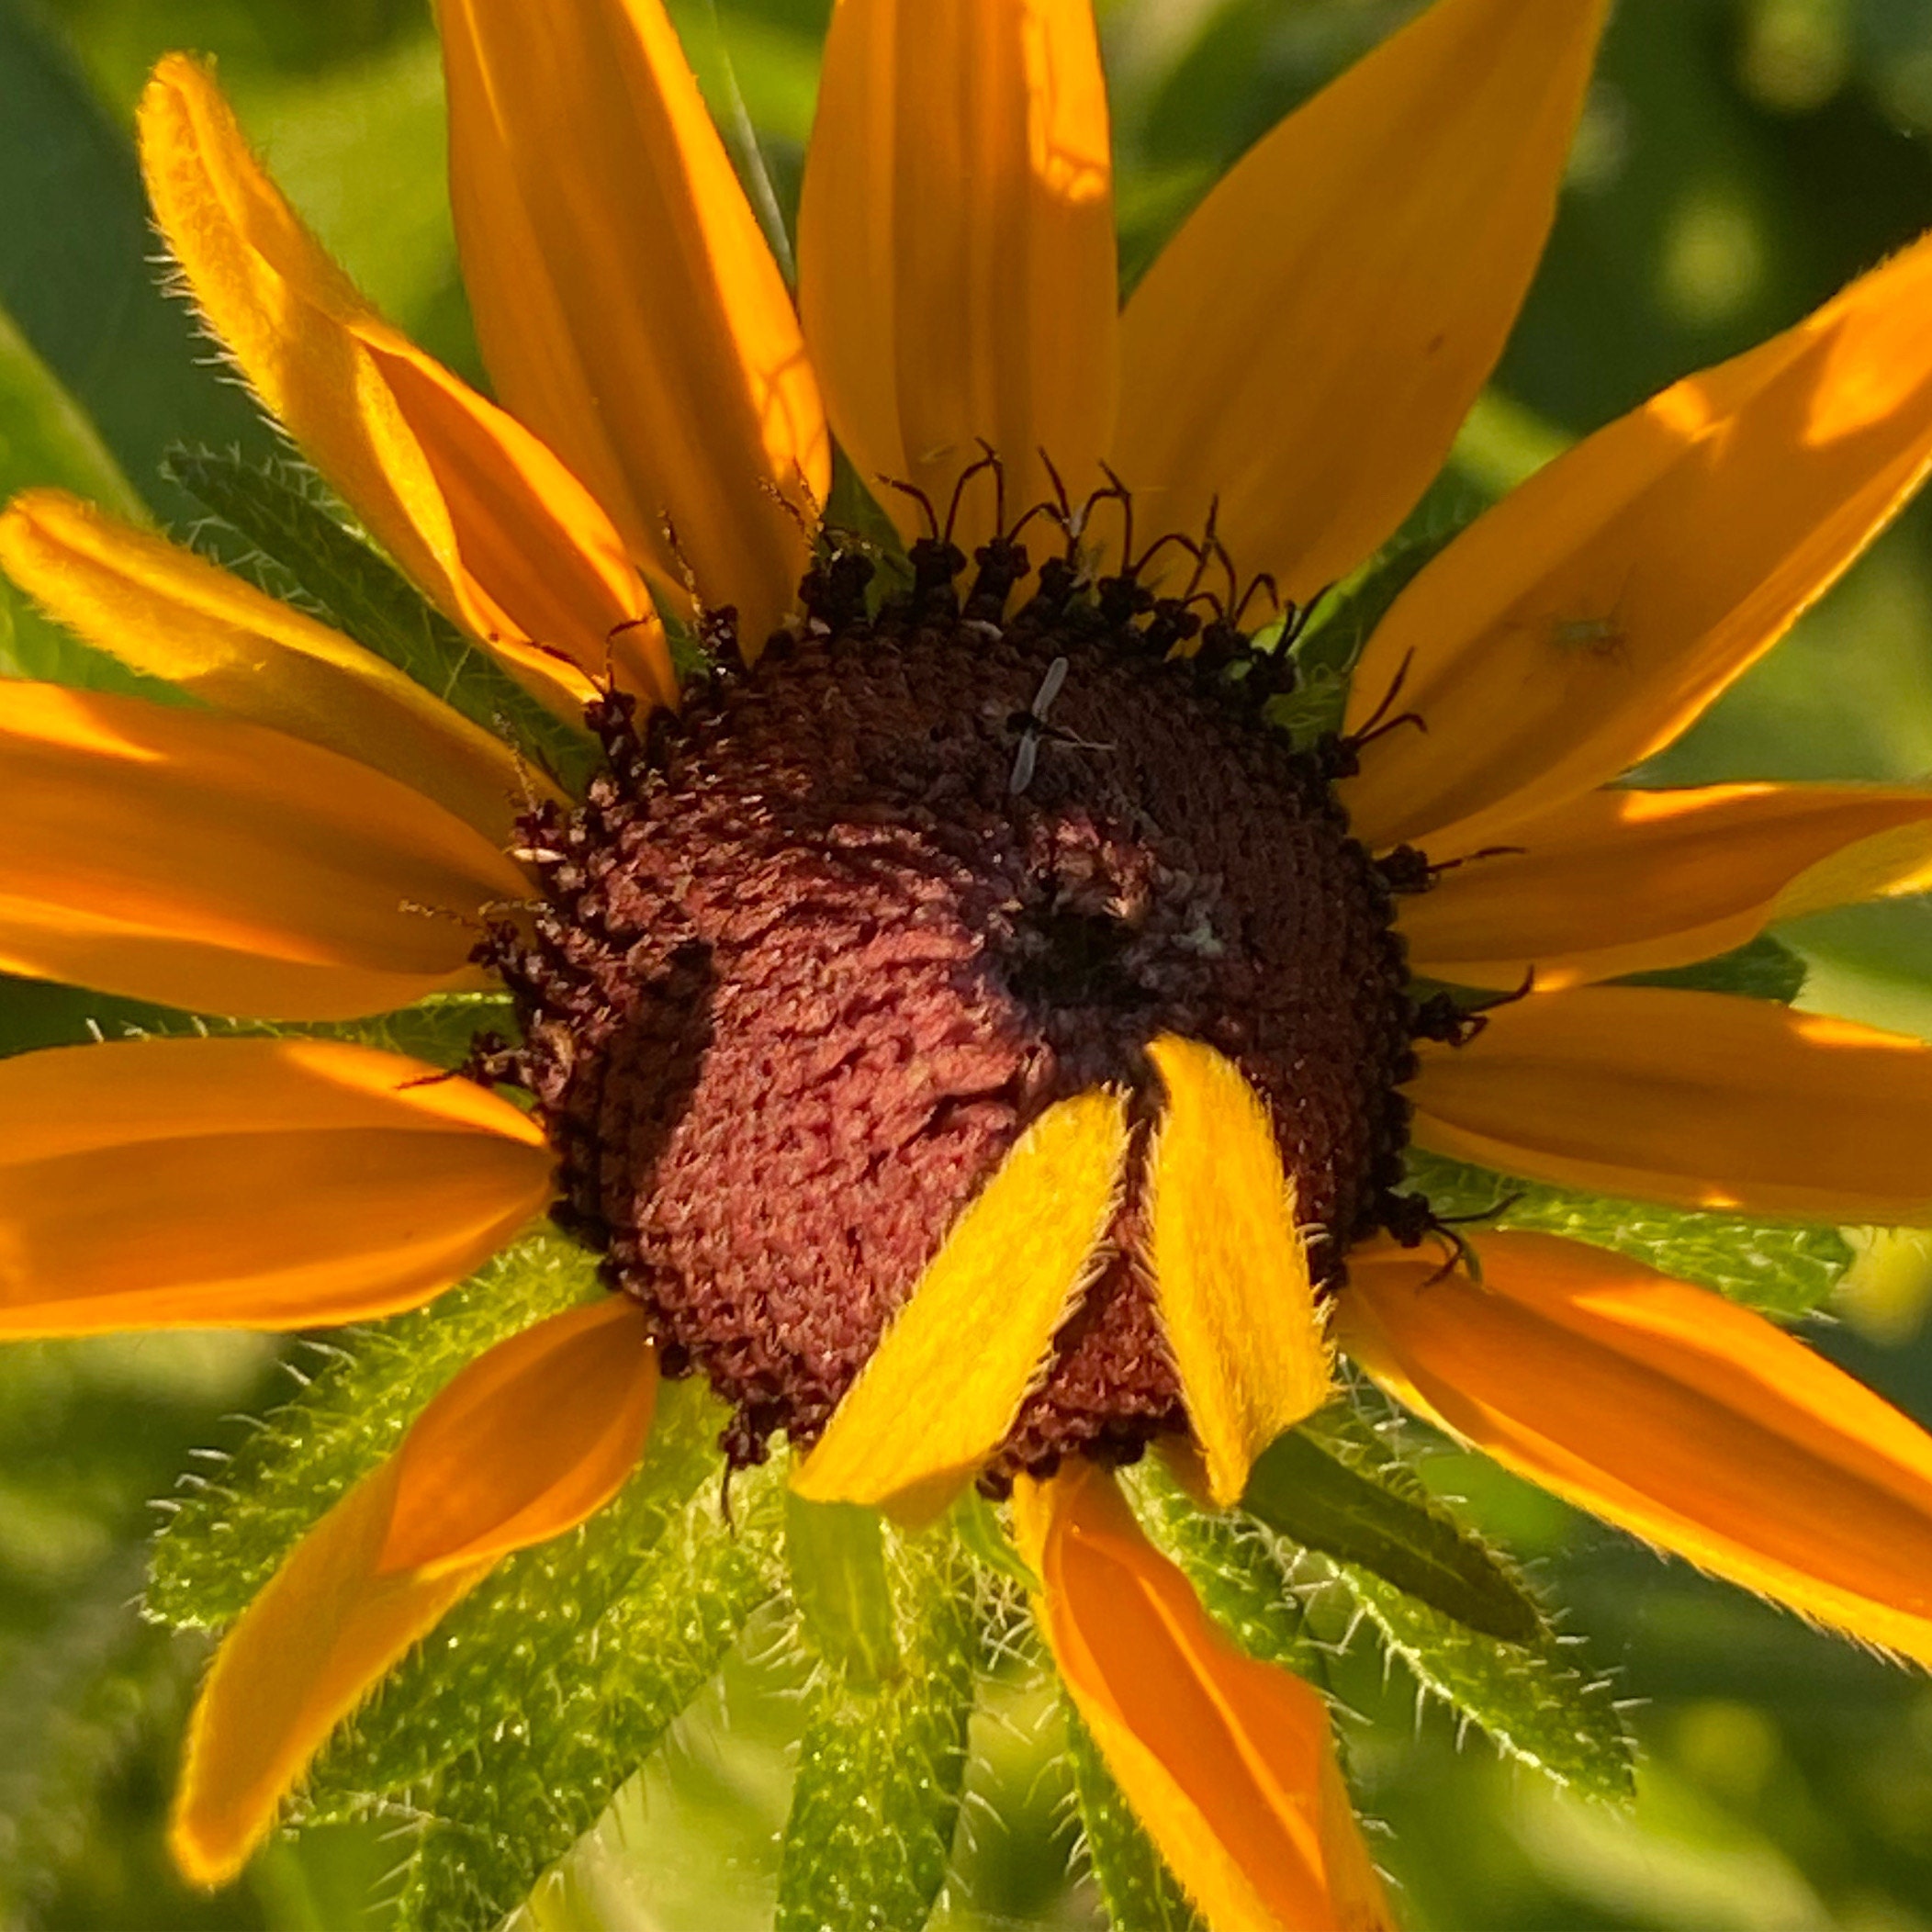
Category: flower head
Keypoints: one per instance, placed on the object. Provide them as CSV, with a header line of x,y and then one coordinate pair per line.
x,y
971,1027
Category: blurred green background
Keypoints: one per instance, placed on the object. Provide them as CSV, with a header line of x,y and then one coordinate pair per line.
x,y
1740,159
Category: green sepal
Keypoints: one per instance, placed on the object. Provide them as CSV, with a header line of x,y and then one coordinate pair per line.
x,y
837,1552
1762,969
276,525
881,1767
1782,1268
976,1523
1139,1892
569,1680
228,1532
1332,1487
1530,1700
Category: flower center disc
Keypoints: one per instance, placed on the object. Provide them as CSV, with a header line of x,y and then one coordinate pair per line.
x,y
817,953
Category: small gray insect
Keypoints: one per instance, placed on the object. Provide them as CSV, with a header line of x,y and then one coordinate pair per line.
x,y
1031,725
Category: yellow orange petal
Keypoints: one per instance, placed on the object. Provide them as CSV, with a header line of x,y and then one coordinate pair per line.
x,y
1304,350
1228,1762
480,513
1669,1411
947,1378
166,611
1691,1098
956,247
176,856
508,1456
627,304
1629,881
1230,1269
269,1183
1585,622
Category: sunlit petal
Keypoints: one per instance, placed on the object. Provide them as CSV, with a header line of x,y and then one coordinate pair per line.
x,y
628,305
1691,1098
947,1381
1228,1763
1307,347
1669,1411
1622,882
956,247
523,1445
164,610
1230,1273
1584,623
269,1183
480,513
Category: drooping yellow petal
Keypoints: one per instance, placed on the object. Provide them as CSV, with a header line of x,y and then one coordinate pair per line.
x,y
176,856
1304,350
582,1386
1693,1424
1585,622
627,304
1228,1763
1691,1098
1623,882
510,1454
480,513
264,1184
166,611
1230,1270
947,1378
956,247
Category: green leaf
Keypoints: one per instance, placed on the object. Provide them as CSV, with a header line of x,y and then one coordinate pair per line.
x,y
276,525
1339,1493
836,1551
76,274
1139,1892
571,1681
230,1529
1765,969
1530,1701
881,1769
1782,1268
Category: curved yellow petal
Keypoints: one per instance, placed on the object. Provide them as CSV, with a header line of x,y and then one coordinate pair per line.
x,y
1304,350
956,247
176,856
1630,882
508,1456
265,1183
1585,622
1228,1763
480,513
626,301
1691,1098
947,1378
1231,1272
1669,1411
165,611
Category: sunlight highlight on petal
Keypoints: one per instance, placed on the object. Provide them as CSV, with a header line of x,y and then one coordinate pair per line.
x,y
177,855
480,513
947,1378
1305,349
523,1445
1588,619
1625,882
1691,1098
1690,1421
1230,1273
1228,1762
626,301
956,248
264,1184
168,613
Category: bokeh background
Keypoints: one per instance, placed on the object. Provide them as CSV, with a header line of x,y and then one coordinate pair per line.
x,y
1739,160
